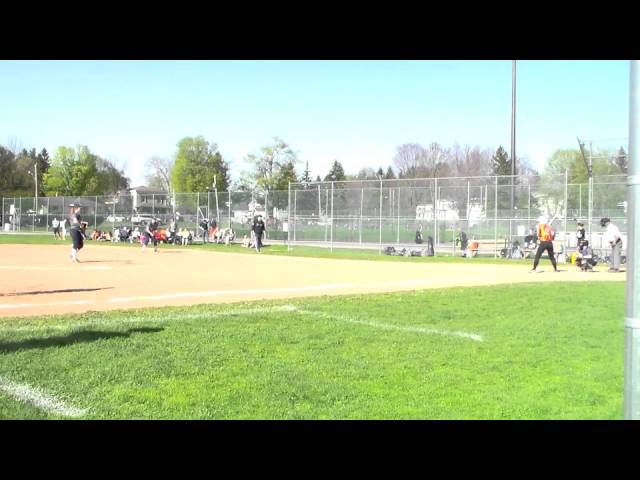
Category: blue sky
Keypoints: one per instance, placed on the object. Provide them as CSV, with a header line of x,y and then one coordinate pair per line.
x,y
357,112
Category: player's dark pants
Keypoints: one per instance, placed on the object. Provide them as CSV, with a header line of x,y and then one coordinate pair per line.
x,y
259,241
76,237
548,246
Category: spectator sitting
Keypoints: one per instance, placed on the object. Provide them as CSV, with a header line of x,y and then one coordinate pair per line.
x,y
184,236
246,242
135,235
95,235
229,236
213,233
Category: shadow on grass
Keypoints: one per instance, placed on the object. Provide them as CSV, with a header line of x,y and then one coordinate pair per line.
x,y
84,336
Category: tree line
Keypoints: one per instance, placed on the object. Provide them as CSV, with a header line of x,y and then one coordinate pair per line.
x,y
71,171
198,166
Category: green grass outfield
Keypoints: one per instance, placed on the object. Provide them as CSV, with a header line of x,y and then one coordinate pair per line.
x,y
276,249
505,352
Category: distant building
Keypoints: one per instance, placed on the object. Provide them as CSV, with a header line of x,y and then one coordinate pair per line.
x,y
446,211
148,200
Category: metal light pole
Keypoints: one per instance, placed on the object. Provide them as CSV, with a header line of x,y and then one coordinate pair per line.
x,y
632,297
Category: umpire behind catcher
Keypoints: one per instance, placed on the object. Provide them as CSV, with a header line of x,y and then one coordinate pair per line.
x,y
613,237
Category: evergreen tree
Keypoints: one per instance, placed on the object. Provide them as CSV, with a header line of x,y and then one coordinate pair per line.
x,y
306,176
336,174
390,175
501,162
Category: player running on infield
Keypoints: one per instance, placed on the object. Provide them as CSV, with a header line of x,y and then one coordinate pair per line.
x,y
545,242
149,235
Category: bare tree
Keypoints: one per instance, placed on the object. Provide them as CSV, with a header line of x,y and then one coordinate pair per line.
x,y
14,144
159,175
409,160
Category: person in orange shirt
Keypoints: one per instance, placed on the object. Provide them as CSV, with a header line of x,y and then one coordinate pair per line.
x,y
545,242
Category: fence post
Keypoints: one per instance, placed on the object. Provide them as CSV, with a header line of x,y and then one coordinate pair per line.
x,y
590,208
380,220
468,201
529,208
230,209
495,227
486,196
361,202
288,218
95,215
566,199
47,229
20,216
326,210
398,237
295,213
332,216
218,208
4,220
580,200
435,214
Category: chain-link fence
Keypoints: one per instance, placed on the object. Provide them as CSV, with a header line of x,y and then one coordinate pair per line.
x,y
495,211
106,213
368,213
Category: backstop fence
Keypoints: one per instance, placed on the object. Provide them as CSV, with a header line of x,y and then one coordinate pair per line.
x,y
493,210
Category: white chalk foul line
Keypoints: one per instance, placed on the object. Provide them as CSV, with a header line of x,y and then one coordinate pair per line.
x,y
217,293
151,318
389,326
50,304
75,267
39,399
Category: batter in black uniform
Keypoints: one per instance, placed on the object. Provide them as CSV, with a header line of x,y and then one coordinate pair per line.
x,y
150,233
258,229
581,236
77,232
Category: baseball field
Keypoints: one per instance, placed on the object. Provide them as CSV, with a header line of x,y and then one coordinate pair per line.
x,y
216,332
